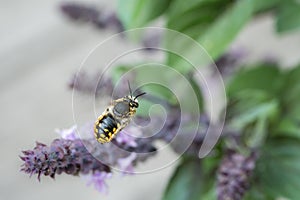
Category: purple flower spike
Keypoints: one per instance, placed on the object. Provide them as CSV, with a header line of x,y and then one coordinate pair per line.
x,y
68,156
234,175
74,156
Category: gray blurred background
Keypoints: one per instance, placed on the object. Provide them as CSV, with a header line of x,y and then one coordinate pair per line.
x,y
39,51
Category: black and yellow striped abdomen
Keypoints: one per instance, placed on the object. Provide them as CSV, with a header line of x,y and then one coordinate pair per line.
x,y
106,127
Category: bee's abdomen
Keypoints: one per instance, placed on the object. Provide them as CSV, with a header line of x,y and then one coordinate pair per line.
x,y
105,128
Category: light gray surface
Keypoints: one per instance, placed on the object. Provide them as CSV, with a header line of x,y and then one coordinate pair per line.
x,y
39,51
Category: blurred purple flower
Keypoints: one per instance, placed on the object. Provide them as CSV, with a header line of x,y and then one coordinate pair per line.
x,y
68,134
98,180
100,18
233,176
126,164
125,138
68,156
91,84
152,40
80,12
228,62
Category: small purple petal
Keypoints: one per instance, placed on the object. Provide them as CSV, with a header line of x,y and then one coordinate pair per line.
x,y
68,134
28,152
23,158
126,164
98,180
124,137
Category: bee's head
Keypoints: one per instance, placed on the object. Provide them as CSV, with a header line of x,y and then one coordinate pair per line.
x,y
133,102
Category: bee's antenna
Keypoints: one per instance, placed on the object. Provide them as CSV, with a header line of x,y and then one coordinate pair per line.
x,y
129,88
139,95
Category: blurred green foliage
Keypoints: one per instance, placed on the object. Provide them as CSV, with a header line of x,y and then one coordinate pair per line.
x,y
263,100
186,182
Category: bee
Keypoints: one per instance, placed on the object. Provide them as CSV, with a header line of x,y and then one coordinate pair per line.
x,y
116,117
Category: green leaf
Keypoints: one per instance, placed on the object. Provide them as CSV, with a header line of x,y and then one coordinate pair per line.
x,y
118,71
278,169
250,112
288,17
210,194
249,106
144,107
289,125
254,193
137,13
260,5
191,18
223,31
186,182
291,94
266,78
165,86
211,23
184,15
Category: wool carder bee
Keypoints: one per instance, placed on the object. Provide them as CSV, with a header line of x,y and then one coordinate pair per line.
x,y
116,117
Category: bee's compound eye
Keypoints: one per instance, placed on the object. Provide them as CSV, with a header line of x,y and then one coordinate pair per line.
x,y
134,104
